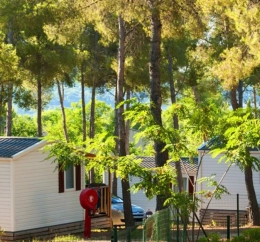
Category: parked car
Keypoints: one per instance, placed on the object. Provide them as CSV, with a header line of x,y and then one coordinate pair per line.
x,y
118,211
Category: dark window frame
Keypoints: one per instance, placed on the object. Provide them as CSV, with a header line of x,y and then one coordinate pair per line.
x,y
61,179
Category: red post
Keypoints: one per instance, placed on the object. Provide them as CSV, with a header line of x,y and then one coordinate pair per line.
x,y
87,224
88,200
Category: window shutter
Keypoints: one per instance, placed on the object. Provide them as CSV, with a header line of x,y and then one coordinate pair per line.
x,y
61,180
78,177
191,182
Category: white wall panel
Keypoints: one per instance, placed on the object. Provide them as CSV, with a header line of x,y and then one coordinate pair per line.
x,y
37,201
5,196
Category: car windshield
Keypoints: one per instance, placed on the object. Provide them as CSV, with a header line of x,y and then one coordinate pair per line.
x,y
116,199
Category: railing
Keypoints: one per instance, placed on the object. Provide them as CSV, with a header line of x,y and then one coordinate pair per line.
x,y
102,217
105,200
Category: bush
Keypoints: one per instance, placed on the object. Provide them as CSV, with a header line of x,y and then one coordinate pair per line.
x,y
212,238
248,235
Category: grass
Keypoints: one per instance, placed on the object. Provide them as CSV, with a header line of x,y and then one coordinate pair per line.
x,y
61,238
95,235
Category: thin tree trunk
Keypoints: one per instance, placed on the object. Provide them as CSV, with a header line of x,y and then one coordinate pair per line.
x,y
255,102
39,107
175,120
155,86
2,121
93,104
252,196
196,94
64,123
129,220
92,112
114,184
127,124
248,169
83,104
92,126
240,93
84,122
9,110
233,98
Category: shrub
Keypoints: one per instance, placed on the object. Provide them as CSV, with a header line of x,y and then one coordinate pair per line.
x,y
248,235
215,237
240,238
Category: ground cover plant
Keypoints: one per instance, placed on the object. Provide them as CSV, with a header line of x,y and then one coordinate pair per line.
x,y
249,235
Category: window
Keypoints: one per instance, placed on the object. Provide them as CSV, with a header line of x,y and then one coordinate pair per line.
x,y
69,179
187,184
184,183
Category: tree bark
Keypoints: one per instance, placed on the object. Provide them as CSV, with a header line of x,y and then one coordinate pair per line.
x,y
2,104
9,111
248,169
64,123
39,107
240,93
233,98
116,130
129,220
255,102
252,196
92,112
155,87
127,124
92,126
83,104
175,119
93,106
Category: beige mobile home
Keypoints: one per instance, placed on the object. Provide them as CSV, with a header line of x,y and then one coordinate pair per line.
x,y
36,199
189,171
233,179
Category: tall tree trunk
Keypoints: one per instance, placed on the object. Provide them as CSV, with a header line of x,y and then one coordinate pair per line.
x,y
240,94
114,183
255,101
93,104
64,123
129,220
127,123
92,112
196,94
248,169
83,104
39,107
9,110
175,119
251,195
92,126
2,121
155,86
233,98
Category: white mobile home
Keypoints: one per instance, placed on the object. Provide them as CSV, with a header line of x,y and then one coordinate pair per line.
x,y
232,178
189,170
34,197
